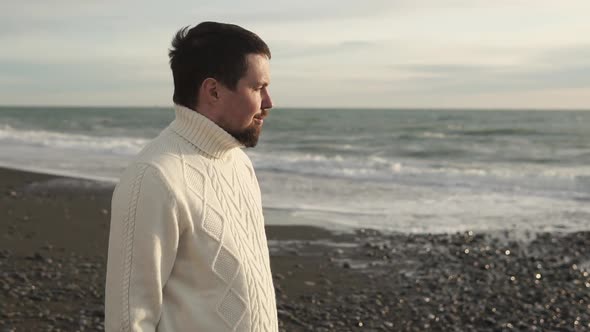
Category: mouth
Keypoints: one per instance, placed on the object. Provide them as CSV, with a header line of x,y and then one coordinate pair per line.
x,y
259,118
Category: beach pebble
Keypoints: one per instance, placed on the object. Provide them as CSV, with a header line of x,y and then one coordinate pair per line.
x,y
416,288
5,253
36,256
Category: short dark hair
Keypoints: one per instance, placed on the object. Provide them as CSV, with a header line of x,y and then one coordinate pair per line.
x,y
210,49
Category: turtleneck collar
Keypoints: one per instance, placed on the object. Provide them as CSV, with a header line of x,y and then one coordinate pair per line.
x,y
203,133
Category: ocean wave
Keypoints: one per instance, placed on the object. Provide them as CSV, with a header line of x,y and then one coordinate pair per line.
x,y
421,135
499,132
583,183
561,181
428,134
57,140
387,165
334,210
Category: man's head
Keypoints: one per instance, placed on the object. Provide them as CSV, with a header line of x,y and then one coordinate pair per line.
x,y
222,71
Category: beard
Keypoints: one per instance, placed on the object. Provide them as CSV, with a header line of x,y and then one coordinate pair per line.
x,y
249,136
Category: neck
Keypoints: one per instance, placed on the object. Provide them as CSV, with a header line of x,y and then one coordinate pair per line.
x,y
203,132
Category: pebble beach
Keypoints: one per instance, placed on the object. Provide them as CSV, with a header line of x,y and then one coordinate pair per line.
x,y
53,249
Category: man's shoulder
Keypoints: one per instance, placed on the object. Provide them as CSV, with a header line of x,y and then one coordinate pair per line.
x,y
246,163
169,155
243,157
163,152
162,156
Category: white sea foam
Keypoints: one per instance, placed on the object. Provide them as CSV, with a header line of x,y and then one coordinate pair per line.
x,y
410,208
69,141
478,176
429,134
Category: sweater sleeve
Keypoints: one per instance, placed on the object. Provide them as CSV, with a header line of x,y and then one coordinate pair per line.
x,y
143,243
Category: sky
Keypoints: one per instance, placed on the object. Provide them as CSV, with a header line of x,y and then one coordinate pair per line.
x,y
511,54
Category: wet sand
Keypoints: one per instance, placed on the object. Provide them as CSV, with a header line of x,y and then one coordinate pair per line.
x,y
53,247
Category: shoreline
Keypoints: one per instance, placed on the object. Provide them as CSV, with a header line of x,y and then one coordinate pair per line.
x,y
58,174
53,254
65,179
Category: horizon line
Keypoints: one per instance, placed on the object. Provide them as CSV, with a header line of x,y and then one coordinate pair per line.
x,y
461,108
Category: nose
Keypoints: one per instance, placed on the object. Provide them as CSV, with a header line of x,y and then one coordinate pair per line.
x,y
266,100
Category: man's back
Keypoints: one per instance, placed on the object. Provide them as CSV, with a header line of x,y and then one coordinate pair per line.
x,y
187,249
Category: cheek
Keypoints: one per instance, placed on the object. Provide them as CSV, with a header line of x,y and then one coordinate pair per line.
x,y
255,100
253,103
243,110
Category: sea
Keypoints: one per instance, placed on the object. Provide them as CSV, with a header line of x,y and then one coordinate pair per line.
x,y
395,170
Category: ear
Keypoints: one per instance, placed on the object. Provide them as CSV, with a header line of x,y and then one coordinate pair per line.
x,y
209,92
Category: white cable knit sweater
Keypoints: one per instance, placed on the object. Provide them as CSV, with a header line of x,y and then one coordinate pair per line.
x,y
187,247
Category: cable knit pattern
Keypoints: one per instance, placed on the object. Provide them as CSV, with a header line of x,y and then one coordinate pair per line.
x,y
187,248
129,230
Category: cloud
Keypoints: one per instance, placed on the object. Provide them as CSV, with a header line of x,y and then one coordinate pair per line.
x,y
542,79
570,54
78,79
470,80
560,68
300,50
306,11
379,51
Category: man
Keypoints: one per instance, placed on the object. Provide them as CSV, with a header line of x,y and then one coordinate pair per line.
x,y
187,247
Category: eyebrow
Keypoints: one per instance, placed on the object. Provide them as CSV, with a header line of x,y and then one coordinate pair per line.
x,y
260,84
